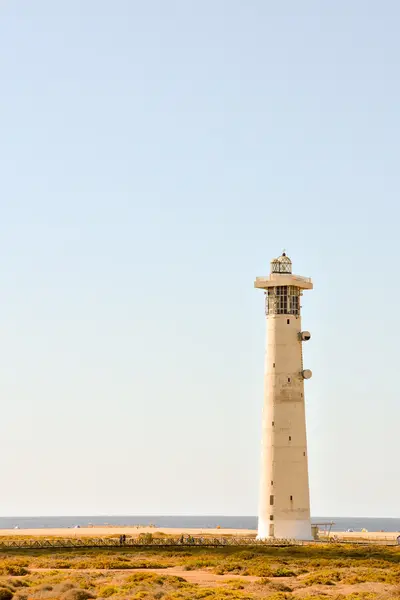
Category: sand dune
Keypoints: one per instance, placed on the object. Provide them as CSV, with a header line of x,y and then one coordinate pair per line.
x,y
130,531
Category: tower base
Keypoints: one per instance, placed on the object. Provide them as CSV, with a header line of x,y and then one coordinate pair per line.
x,y
285,529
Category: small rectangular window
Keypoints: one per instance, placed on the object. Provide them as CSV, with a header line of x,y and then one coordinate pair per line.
x,y
273,364
271,500
288,321
273,423
272,483
290,438
271,517
288,379
291,498
304,453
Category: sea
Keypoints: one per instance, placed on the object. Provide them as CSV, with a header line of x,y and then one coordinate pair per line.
x,y
201,522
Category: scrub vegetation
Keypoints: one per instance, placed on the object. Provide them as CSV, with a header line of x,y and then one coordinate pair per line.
x,y
317,572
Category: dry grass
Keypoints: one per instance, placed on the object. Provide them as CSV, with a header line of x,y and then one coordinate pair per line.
x,y
315,572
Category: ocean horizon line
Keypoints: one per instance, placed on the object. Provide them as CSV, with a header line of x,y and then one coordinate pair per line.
x,y
175,516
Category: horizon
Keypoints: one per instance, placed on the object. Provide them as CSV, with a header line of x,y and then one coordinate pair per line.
x,y
255,516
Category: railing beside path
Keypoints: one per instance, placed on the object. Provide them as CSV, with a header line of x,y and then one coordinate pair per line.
x,y
138,542
189,542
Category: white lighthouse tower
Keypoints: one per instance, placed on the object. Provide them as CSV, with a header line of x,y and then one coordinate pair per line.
x,y
284,509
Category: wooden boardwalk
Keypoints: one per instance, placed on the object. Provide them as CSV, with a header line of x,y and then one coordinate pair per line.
x,y
70,543
61,543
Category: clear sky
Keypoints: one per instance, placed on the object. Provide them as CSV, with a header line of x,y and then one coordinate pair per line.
x,y
154,157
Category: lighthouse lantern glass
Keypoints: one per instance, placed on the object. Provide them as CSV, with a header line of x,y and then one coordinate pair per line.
x,y
283,300
283,264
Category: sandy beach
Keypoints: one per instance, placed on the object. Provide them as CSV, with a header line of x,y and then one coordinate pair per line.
x,y
130,531
366,535
82,532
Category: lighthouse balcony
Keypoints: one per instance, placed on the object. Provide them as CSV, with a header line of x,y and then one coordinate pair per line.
x,y
276,279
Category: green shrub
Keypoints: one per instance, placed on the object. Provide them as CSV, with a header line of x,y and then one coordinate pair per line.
x,y
362,596
199,564
15,570
322,578
19,583
236,585
261,571
323,596
108,591
247,555
5,594
59,564
283,572
75,594
280,587
139,577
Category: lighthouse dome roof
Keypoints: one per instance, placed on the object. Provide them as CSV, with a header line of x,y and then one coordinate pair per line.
x,y
282,264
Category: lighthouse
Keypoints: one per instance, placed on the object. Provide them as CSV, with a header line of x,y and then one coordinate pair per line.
x,y
284,504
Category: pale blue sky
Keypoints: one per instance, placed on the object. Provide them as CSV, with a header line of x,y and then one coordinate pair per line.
x,y
155,155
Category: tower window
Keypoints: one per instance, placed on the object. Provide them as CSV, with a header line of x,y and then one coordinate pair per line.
x,y
271,517
288,379
291,498
290,438
304,453
272,483
273,423
273,364
288,321
271,500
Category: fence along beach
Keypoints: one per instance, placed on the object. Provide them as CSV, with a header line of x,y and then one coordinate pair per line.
x,y
217,532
